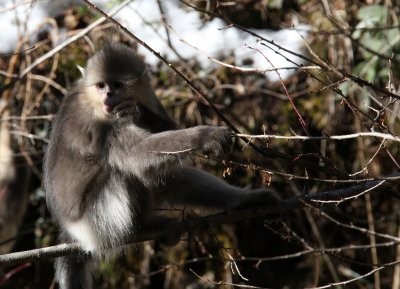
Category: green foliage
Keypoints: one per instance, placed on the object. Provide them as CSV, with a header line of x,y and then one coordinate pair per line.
x,y
383,41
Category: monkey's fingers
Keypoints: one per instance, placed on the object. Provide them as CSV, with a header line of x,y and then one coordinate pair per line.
x,y
217,142
126,109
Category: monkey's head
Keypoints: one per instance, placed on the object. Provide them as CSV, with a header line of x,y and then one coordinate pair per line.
x,y
116,75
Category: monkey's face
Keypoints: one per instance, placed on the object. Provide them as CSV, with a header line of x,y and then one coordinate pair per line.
x,y
112,93
117,84
111,97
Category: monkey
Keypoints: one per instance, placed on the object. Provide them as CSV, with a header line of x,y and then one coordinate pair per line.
x,y
114,155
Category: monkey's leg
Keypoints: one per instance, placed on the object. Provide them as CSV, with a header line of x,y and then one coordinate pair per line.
x,y
160,226
188,186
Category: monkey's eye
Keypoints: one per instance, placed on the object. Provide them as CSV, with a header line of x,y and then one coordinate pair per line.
x,y
117,84
101,85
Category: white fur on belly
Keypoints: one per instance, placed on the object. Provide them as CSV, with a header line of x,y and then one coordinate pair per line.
x,y
107,223
83,232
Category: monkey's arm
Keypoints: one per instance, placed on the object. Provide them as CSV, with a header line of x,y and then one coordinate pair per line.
x,y
137,151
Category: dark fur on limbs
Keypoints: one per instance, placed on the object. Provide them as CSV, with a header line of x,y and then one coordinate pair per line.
x,y
111,161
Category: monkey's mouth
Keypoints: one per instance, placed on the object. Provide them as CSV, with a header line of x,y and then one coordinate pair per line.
x,y
108,108
109,105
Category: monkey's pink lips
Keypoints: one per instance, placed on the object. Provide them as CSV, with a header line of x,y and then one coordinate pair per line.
x,y
108,108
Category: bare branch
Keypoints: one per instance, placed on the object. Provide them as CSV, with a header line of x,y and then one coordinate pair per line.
x,y
384,266
384,136
72,39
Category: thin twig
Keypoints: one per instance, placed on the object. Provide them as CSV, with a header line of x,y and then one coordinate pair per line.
x,y
384,266
331,137
72,39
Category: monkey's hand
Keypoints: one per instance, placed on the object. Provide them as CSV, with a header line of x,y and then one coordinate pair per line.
x,y
214,140
127,110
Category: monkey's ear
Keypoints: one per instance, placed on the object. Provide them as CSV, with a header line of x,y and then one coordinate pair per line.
x,y
81,69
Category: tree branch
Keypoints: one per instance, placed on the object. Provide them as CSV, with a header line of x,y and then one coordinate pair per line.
x,y
384,136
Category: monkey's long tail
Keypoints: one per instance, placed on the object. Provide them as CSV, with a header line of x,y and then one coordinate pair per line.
x,y
73,272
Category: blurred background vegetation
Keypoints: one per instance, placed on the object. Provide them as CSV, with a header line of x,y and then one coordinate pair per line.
x,y
354,48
